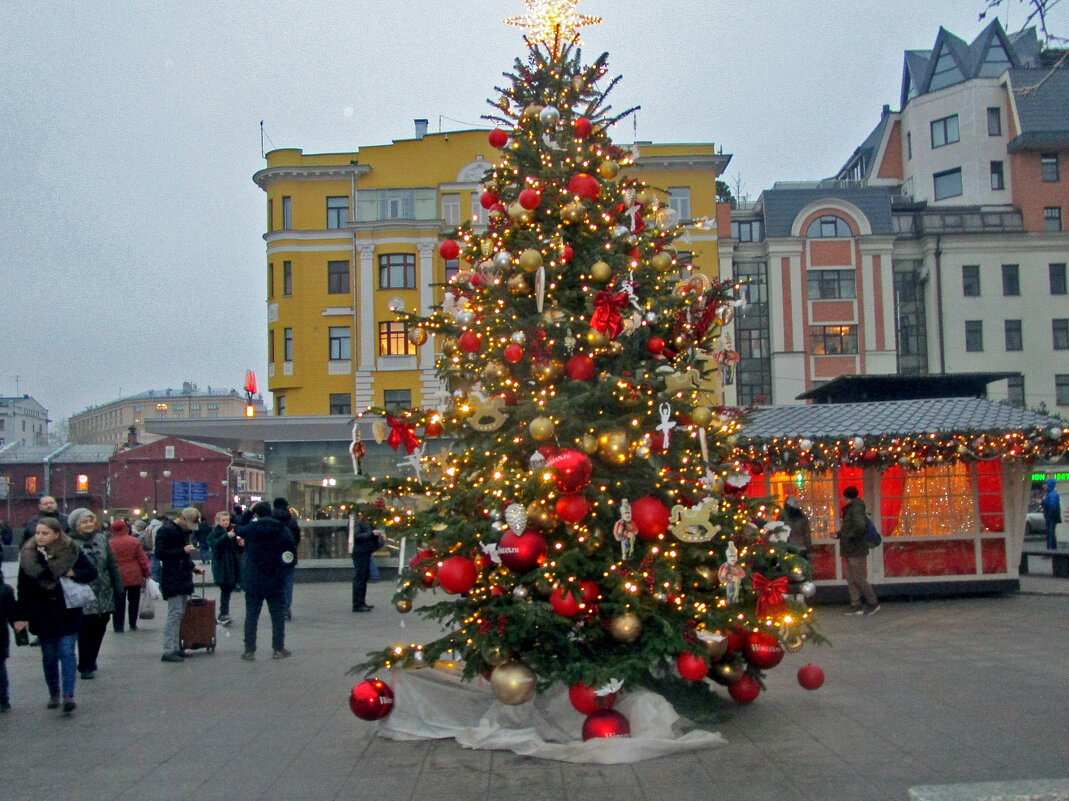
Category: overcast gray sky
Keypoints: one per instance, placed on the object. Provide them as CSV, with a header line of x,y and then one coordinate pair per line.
x,y
131,251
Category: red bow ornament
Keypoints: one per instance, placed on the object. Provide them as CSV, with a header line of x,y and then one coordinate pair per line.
x,y
606,317
401,434
769,595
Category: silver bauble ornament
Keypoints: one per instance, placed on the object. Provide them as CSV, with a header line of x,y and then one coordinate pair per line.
x,y
518,338
502,260
549,115
465,318
809,589
520,593
516,517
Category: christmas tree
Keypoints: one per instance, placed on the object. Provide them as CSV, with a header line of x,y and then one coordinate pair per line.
x,y
587,524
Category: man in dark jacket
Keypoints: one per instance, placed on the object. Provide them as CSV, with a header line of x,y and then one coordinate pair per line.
x,y
365,543
46,507
174,546
280,510
855,552
269,551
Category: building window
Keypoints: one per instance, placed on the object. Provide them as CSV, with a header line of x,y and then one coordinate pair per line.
x,y
373,205
393,339
287,278
974,336
81,483
194,407
337,278
452,267
1060,332
287,213
270,214
832,339
397,400
287,344
479,215
280,405
270,346
970,280
998,180
751,343
397,271
451,209
1057,279
831,284
341,403
1011,280
679,199
746,231
1052,218
994,121
909,145
947,184
1048,163
945,131
270,280
827,227
339,342
1014,338
1061,389
1015,391
30,484
337,212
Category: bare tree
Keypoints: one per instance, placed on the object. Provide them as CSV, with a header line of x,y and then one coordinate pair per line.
x,y
1038,11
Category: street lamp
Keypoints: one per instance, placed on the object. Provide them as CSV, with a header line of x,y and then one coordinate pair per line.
x,y
155,486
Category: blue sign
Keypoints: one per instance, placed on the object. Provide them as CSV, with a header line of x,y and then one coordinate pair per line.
x,y
184,493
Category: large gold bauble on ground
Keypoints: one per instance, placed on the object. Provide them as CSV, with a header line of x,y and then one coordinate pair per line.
x,y
614,446
495,655
417,336
600,271
403,606
608,169
701,416
518,285
589,443
596,338
539,517
530,260
513,683
662,262
626,628
573,212
542,428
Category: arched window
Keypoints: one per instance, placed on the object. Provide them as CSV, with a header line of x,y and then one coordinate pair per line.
x,y
827,227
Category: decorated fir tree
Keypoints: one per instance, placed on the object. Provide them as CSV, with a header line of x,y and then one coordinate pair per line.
x,y
586,524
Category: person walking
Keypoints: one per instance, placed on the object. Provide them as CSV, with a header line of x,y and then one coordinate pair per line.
x,y
133,570
855,552
46,507
280,510
365,542
269,550
227,548
174,546
106,586
1052,512
43,560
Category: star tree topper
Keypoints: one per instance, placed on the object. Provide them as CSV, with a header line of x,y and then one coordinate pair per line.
x,y
553,23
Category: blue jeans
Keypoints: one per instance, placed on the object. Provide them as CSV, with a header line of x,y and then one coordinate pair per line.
x,y
276,608
57,654
288,574
1052,540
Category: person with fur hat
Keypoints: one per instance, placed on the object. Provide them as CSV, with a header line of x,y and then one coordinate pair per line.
x,y
133,570
43,559
106,587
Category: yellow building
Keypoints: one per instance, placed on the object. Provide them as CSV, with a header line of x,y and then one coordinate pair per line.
x,y
334,276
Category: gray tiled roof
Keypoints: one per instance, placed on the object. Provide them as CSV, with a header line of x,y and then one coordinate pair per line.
x,y
1044,111
889,418
86,453
781,206
61,454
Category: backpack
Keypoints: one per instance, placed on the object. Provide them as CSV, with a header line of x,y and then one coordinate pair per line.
x,y
872,534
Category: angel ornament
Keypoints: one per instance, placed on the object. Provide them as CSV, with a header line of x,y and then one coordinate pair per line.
x,y
625,530
731,574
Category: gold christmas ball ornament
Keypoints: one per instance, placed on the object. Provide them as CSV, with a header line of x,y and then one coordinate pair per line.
x,y
530,260
449,346
614,446
596,338
573,212
626,628
403,606
616,347
531,112
715,645
701,416
518,213
589,443
495,371
542,429
495,655
513,683
600,271
608,169
417,336
539,517
518,285
662,262
727,673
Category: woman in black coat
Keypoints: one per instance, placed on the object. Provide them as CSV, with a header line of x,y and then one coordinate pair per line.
x,y
43,559
227,548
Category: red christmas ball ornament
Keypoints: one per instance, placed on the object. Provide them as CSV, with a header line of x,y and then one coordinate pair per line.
x,y
586,701
457,574
757,469
811,677
655,346
572,469
567,254
433,428
521,553
589,590
745,690
487,200
737,639
449,249
584,185
763,650
564,601
548,451
583,127
580,368
650,517
476,279
691,666
423,561
605,723
498,138
530,199
634,253
572,507
371,699
513,352
470,342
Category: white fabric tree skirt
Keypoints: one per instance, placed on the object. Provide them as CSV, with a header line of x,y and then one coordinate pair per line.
x,y
435,704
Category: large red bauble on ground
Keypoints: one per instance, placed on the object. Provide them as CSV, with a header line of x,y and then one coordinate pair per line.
x,y
522,552
650,517
586,701
811,677
691,666
565,601
457,574
605,723
572,507
580,368
449,249
371,699
498,138
763,650
572,469
470,342
745,690
584,185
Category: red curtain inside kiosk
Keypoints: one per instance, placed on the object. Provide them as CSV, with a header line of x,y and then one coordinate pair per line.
x,y
849,476
989,494
892,485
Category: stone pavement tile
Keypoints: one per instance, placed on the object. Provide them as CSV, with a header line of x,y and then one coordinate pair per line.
x,y
579,776
447,755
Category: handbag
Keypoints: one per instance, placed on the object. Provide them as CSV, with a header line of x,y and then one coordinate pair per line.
x,y
148,609
76,595
152,589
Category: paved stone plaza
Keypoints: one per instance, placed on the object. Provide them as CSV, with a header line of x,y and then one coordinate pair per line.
x,y
928,692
